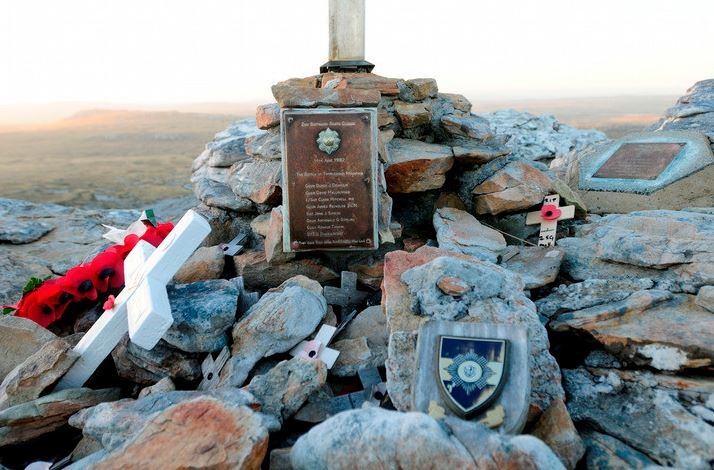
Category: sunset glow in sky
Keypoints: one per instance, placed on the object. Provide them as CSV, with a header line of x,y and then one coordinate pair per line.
x,y
181,51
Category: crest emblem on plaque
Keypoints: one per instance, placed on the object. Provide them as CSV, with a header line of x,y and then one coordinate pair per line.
x,y
328,141
471,372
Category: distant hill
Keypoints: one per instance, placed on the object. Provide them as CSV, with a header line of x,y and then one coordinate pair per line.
x,y
105,158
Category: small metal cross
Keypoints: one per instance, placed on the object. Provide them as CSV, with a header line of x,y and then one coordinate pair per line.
x,y
347,296
548,218
374,391
212,368
234,246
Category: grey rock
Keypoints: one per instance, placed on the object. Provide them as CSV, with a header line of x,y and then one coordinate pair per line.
x,y
203,313
281,319
207,262
400,367
256,180
229,146
355,354
20,338
459,231
376,438
146,367
258,274
589,293
26,421
287,386
274,253
705,298
607,453
693,111
162,386
260,224
643,416
540,137
215,194
537,266
265,146
417,89
39,371
470,125
673,248
600,358
17,231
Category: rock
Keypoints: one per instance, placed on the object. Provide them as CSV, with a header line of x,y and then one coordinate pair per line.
x,y
557,430
207,262
362,81
225,225
26,421
370,323
199,433
459,231
38,372
267,116
228,147
692,111
281,319
540,137
203,312
516,187
369,272
458,102
286,387
274,253
265,147
377,438
261,224
673,248
258,274
355,354
162,386
589,293
645,417
417,166
417,89
470,125
112,424
18,231
215,194
453,286
605,452
412,114
655,328
20,338
536,265
257,180
146,367
410,296
705,298
303,97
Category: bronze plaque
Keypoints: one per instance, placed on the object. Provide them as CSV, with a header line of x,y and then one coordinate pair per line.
x,y
329,187
642,161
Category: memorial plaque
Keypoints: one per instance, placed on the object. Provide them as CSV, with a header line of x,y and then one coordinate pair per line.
x,y
329,187
645,161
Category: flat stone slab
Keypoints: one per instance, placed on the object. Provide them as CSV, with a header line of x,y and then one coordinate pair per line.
x,y
664,169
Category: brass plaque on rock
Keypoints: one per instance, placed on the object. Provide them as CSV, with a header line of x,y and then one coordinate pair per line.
x,y
329,187
642,161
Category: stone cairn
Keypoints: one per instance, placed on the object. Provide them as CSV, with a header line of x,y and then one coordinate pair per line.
x,y
618,314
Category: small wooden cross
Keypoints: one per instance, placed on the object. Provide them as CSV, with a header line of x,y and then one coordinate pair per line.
x,y
317,348
212,368
347,296
234,246
142,308
548,217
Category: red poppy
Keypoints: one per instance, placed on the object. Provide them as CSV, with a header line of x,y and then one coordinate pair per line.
x,y
46,304
107,270
155,235
79,282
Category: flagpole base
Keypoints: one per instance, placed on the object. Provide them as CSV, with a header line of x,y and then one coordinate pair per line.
x,y
348,66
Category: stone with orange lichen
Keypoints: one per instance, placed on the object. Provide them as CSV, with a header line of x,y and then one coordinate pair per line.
x,y
417,166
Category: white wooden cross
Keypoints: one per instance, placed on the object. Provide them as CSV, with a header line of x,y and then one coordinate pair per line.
x,y
548,217
317,348
142,308
347,295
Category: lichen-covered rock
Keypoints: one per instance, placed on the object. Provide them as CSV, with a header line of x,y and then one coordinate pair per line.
x,y
654,327
267,116
146,367
517,186
26,421
693,111
673,248
228,147
537,266
289,96
20,338
417,89
207,262
256,180
377,438
42,369
557,430
285,388
468,125
282,318
540,137
417,166
640,413
605,452
459,231
203,312
258,274
412,114
705,298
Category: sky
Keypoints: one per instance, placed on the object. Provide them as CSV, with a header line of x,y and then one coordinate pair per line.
x,y
185,51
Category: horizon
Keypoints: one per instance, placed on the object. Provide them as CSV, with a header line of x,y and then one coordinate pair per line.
x,y
149,55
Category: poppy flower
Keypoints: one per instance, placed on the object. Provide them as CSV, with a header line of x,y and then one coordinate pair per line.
x,y
155,235
45,304
79,282
107,270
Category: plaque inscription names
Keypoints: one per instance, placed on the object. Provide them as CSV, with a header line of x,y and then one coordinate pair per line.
x,y
639,160
329,187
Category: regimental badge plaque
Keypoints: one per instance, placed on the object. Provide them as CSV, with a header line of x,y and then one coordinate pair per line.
x,y
475,371
329,184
